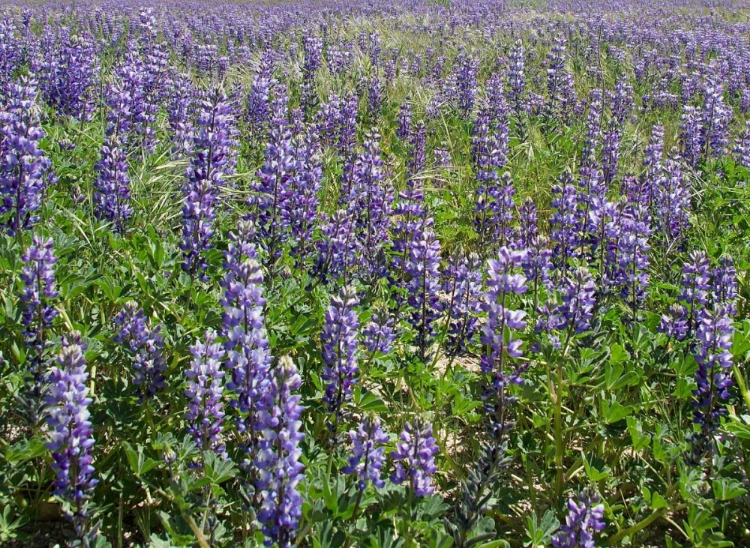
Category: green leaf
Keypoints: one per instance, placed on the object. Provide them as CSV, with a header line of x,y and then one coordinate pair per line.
x,y
25,450
139,463
540,532
370,403
615,411
654,500
727,489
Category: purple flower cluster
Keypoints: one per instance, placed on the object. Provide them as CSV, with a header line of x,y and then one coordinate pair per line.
x,y
714,357
577,293
463,284
414,458
205,413
516,77
585,518
39,290
370,201
565,222
500,347
278,459
248,356
422,269
112,185
67,74
211,161
180,111
379,333
146,344
339,342
71,434
368,453
24,168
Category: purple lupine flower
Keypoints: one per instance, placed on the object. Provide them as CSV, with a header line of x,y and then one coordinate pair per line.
x,y
300,213
621,101
68,73
645,192
180,110
742,145
337,249
605,220
611,152
462,283
403,131
71,434
339,57
370,200
374,97
329,116
696,280
278,459
313,47
205,413
422,267
273,189
137,85
39,290
564,222
724,285
500,347
368,453
259,98
410,212
633,255
516,77
489,143
585,518
348,124
691,131
715,118
248,356
10,56
592,137
442,157
561,98
577,293
714,357
466,78
112,186
211,161
339,342
494,204
417,158
24,168
495,209
146,343
672,201
379,333
674,323
537,264
414,458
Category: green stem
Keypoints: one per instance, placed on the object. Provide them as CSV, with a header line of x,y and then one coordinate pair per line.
x,y
559,445
408,532
741,384
630,531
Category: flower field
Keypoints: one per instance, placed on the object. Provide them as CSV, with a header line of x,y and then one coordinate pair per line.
x,y
375,274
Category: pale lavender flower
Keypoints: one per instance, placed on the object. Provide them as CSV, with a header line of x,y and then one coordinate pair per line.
x,y
368,453
414,458
205,413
